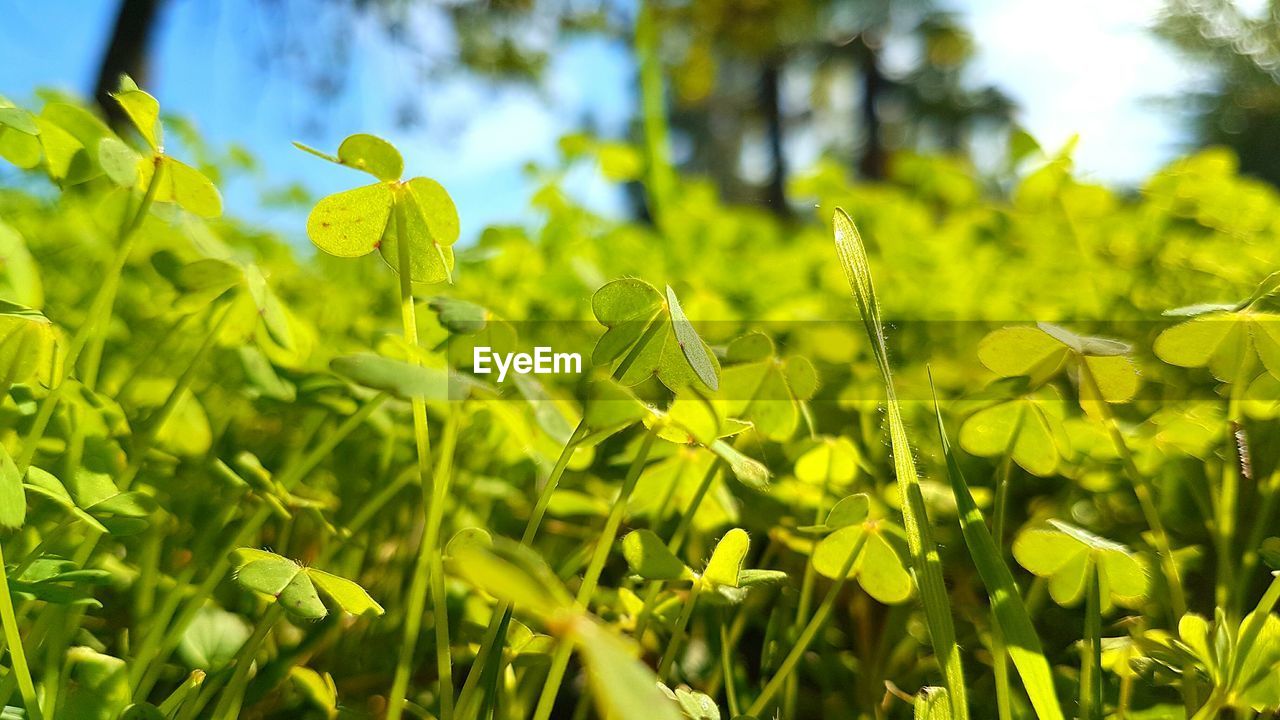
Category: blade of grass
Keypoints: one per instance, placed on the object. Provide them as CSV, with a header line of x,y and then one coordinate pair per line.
x,y
1011,617
924,553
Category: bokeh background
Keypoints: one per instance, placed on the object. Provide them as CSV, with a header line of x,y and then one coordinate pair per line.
x,y
480,94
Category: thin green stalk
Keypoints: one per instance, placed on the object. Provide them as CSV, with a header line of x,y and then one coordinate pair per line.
x,y
444,667
1262,524
925,560
418,587
17,654
999,648
1146,501
1091,656
560,660
1228,497
792,691
154,423
159,644
228,706
494,635
726,669
677,543
660,179
99,312
678,632
801,645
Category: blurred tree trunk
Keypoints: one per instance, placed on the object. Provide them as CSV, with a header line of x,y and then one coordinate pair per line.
x,y
126,53
771,106
872,164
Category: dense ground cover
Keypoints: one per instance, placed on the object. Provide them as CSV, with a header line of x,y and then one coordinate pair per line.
x,y
235,483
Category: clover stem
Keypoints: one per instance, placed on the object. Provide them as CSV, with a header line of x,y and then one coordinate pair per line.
x,y
678,632
999,649
1091,660
1262,523
659,177
1228,497
494,635
816,623
17,654
726,667
228,706
157,645
433,506
99,312
677,543
792,691
1146,501
609,533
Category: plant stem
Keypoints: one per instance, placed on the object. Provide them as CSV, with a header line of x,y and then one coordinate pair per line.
x,y
677,543
228,706
99,312
1262,523
660,180
1091,660
560,660
494,635
17,654
1146,501
816,623
157,645
791,693
1228,497
999,649
677,633
726,669
434,512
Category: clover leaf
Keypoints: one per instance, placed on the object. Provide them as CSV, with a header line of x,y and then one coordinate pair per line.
x,y
764,389
19,135
879,568
1107,374
1065,554
1224,341
26,343
1029,428
298,589
648,334
829,462
354,223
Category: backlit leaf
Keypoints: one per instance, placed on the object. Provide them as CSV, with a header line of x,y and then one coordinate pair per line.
x,y
649,557
371,154
347,595
142,109
351,223
726,560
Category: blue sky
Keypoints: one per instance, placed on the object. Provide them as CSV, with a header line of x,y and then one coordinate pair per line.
x,y
1086,67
